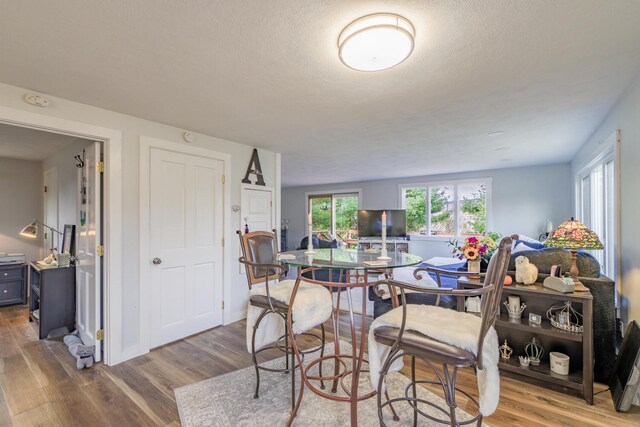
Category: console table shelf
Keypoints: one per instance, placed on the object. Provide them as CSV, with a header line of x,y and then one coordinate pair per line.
x,y
544,329
543,372
518,332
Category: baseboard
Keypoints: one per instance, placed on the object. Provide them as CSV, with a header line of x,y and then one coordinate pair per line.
x,y
131,353
234,316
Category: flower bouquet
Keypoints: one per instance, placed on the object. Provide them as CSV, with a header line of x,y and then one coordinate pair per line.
x,y
473,251
474,248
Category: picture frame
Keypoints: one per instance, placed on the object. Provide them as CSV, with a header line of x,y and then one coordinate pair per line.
x,y
68,239
535,319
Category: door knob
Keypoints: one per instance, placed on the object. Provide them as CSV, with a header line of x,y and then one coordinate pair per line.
x,y
157,261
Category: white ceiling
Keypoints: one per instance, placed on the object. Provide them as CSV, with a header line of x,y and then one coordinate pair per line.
x,y
30,144
267,74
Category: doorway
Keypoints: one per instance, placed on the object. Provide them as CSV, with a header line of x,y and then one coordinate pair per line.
x,y
53,158
112,202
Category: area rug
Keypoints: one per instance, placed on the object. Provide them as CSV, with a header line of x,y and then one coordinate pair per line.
x,y
227,401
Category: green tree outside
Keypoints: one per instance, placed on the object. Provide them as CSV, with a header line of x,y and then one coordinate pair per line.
x,y
416,205
475,207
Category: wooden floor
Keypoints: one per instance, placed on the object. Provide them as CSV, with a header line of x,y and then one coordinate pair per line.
x,y
40,386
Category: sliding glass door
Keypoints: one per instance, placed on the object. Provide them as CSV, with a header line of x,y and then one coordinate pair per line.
x,y
335,216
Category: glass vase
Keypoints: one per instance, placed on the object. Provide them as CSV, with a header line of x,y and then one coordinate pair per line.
x,y
473,268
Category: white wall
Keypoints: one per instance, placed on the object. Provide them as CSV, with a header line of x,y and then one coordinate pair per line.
x,y
624,116
523,198
132,128
20,203
67,173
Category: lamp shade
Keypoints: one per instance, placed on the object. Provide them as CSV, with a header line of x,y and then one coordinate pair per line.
x,y
30,230
573,234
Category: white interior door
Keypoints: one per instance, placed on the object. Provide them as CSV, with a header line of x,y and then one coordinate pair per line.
x,y
185,244
88,263
257,208
50,209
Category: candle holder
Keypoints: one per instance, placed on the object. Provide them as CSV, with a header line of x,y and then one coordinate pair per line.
x,y
383,253
515,312
310,243
310,236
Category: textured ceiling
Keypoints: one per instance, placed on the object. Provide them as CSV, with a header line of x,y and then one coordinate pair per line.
x,y
30,144
267,74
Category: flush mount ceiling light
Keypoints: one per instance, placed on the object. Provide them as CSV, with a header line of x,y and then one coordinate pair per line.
x,y
376,42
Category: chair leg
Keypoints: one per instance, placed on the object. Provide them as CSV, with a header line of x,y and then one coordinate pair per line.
x,y
450,392
286,347
322,334
254,358
293,378
413,389
393,411
383,373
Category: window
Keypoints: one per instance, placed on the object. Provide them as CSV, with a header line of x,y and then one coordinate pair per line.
x,y
335,215
457,208
596,206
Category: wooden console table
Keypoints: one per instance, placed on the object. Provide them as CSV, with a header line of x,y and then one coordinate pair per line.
x,y
517,332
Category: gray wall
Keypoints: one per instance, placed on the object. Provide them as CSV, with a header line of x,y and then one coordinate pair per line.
x,y
523,198
624,116
20,203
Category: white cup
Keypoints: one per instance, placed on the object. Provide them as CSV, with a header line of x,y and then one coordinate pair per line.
x,y
559,363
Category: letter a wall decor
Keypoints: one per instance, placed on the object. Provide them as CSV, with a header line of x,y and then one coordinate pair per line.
x,y
254,168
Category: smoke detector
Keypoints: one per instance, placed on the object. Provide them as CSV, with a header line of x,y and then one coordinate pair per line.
x,y
188,136
37,100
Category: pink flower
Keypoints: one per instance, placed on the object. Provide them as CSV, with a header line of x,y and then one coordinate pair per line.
x,y
472,240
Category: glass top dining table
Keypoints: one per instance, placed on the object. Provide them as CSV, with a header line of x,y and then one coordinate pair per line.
x,y
348,364
347,259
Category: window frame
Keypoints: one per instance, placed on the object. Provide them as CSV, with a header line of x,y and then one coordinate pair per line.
x,y
610,257
330,193
487,181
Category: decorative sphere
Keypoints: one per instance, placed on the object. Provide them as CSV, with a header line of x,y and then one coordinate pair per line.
x,y
508,280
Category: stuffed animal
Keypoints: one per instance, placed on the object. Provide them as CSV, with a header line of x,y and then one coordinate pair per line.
x,y
83,353
526,272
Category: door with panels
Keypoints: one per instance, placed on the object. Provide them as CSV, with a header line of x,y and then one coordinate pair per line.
x,y
185,244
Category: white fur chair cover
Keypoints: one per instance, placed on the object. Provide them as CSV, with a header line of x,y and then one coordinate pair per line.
x,y
447,326
312,307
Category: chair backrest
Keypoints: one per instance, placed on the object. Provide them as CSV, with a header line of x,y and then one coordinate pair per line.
x,y
496,272
259,250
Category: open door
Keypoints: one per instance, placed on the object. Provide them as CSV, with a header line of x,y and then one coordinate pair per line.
x,y
89,246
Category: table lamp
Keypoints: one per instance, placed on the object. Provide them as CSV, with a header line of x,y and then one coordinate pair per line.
x,y
574,235
31,231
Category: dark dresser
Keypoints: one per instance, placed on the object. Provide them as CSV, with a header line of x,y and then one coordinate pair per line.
x,y
13,284
52,303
